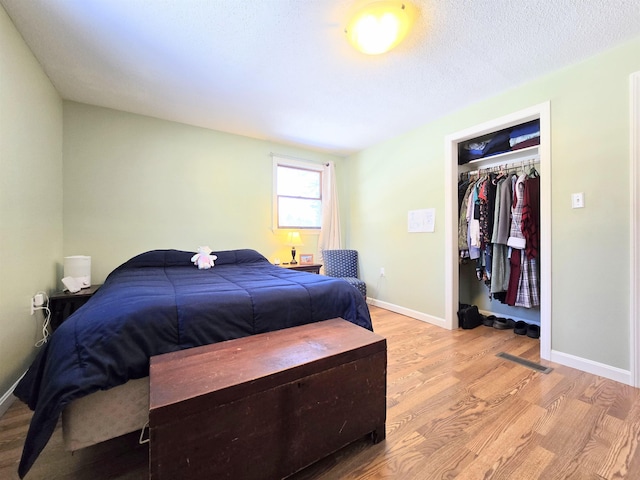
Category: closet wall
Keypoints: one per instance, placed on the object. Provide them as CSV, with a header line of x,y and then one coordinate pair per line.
x,y
484,269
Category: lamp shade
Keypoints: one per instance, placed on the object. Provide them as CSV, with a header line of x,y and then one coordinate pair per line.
x,y
78,267
379,26
294,239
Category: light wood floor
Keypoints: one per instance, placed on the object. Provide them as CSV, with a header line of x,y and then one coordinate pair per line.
x,y
454,410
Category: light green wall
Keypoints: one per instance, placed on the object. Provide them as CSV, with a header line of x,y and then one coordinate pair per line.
x,y
30,197
590,246
134,183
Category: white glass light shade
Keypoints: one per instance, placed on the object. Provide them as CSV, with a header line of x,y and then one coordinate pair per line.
x,y
379,26
78,267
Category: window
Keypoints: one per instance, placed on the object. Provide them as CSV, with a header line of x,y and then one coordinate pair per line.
x,y
298,194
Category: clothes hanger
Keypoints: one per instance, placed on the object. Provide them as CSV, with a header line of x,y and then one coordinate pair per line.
x,y
501,174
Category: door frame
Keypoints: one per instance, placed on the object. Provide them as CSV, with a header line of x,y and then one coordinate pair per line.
x,y
541,111
634,280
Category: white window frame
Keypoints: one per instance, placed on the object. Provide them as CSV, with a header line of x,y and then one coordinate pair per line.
x,y
293,163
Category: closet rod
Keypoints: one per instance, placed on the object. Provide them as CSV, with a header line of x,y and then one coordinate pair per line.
x,y
525,162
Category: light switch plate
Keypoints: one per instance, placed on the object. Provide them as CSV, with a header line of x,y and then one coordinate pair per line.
x,y
577,200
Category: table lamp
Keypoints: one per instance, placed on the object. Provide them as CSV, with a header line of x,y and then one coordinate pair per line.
x,y
293,239
79,268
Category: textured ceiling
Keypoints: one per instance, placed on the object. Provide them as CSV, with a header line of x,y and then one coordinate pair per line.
x,y
282,70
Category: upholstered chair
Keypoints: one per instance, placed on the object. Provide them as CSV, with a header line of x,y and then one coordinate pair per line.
x,y
344,264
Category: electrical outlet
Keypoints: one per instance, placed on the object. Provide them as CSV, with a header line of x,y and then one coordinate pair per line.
x,y
382,271
36,301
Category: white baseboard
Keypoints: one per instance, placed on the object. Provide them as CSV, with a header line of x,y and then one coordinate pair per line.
x,y
7,399
589,366
579,363
439,322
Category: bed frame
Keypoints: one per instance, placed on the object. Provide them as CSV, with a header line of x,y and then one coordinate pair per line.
x,y
106,414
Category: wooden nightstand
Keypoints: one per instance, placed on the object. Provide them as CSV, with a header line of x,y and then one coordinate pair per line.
x,y
313,268
63,304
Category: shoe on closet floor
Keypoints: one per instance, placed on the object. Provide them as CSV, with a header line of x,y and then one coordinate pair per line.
x,y
520,328
488,321
501,324
533,331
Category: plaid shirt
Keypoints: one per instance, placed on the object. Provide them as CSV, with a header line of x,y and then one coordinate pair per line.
x,y
528,289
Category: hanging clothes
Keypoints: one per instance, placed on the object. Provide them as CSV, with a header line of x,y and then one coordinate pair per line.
x,y
528,293
523,290
501,269
490,200
514,277
463,226
516,238
502,213
531,215
498,227
528,288
463,184
473,222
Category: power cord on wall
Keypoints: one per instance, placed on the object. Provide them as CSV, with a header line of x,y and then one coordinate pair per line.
x,y
47,320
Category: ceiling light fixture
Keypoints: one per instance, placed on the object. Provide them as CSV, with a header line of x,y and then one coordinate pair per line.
x,y
379,26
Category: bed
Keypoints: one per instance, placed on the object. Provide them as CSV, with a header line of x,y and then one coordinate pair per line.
x,y
159,302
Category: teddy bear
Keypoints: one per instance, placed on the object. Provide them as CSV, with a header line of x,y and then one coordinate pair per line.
x,y
203,259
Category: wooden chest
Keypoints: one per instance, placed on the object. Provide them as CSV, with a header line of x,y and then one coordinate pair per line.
x,y
266,406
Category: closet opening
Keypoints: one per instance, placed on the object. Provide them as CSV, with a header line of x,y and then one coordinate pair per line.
x,y
488,168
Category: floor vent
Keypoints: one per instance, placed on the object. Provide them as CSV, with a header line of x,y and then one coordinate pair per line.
x,y
525,363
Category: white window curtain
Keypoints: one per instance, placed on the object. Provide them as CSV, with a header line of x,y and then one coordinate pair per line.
x,y
329,238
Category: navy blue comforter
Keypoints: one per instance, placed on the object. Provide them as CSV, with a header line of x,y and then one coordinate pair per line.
x,y
159,302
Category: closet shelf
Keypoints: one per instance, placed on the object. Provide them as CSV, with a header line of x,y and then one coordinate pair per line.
x,y
523,154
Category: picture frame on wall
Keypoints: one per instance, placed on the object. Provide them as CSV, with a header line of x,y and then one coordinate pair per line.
x,y
306,259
